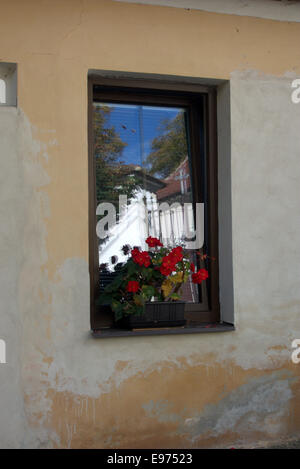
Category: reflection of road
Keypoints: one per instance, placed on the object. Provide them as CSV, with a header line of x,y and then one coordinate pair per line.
x,y
189,291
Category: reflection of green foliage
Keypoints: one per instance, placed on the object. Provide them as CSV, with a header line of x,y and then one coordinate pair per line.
x,y
108,145
112,177
112,181
170,148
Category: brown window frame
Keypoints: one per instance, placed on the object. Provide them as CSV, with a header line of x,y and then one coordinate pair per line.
x,y
156,92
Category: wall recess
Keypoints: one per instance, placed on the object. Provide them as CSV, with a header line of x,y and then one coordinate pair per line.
x,y
8,84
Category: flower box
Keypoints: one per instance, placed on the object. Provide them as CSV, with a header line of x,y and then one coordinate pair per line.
x,y
157,314
159,274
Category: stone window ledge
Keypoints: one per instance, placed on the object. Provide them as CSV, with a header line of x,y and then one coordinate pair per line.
x,y
197,329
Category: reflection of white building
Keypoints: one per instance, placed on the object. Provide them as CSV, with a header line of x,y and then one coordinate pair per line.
x,y
156,210
133,226
176,208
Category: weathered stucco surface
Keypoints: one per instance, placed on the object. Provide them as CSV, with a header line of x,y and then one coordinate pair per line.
x,y
61,387
282,10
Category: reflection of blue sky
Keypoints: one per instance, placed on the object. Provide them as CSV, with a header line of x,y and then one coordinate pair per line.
x,y
137,126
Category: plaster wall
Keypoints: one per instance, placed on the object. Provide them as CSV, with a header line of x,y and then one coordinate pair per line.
x,y
281,10
61,387
11,228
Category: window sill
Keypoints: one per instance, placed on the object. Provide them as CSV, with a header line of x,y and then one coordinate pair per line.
x,y
199,329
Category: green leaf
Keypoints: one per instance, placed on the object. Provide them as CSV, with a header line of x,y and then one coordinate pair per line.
x,y
116,306
138,310
175,296
139,300
118,315
132,267
148,291
103,300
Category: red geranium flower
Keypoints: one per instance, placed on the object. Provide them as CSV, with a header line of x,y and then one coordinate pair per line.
x,y
192,267
153,242
176,253
146,259
141,258
169,262
132,286
136,254
201,275
165,270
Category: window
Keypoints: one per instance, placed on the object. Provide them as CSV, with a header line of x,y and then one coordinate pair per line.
x,y
8,84
2,91
153,144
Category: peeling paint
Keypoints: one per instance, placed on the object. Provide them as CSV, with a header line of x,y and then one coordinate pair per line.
x,y
261,403
239,405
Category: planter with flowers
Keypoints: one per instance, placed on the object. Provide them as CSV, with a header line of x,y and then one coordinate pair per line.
x,y
147,290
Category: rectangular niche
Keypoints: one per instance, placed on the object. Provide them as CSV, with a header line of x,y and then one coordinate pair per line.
x,y
8,84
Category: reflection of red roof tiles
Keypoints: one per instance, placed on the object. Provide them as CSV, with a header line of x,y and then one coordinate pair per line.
x,y
172,184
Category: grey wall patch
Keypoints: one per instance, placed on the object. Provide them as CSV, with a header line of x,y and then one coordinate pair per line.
x,y
260,404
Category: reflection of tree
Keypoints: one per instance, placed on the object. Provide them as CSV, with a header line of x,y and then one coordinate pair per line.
x,y
170,148
112,176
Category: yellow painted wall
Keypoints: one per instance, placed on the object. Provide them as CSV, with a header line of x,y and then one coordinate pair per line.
x,y
55,43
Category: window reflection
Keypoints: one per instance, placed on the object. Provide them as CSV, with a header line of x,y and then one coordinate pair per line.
x,y
141,155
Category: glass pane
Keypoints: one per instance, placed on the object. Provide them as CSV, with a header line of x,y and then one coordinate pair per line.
x,y
143,171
